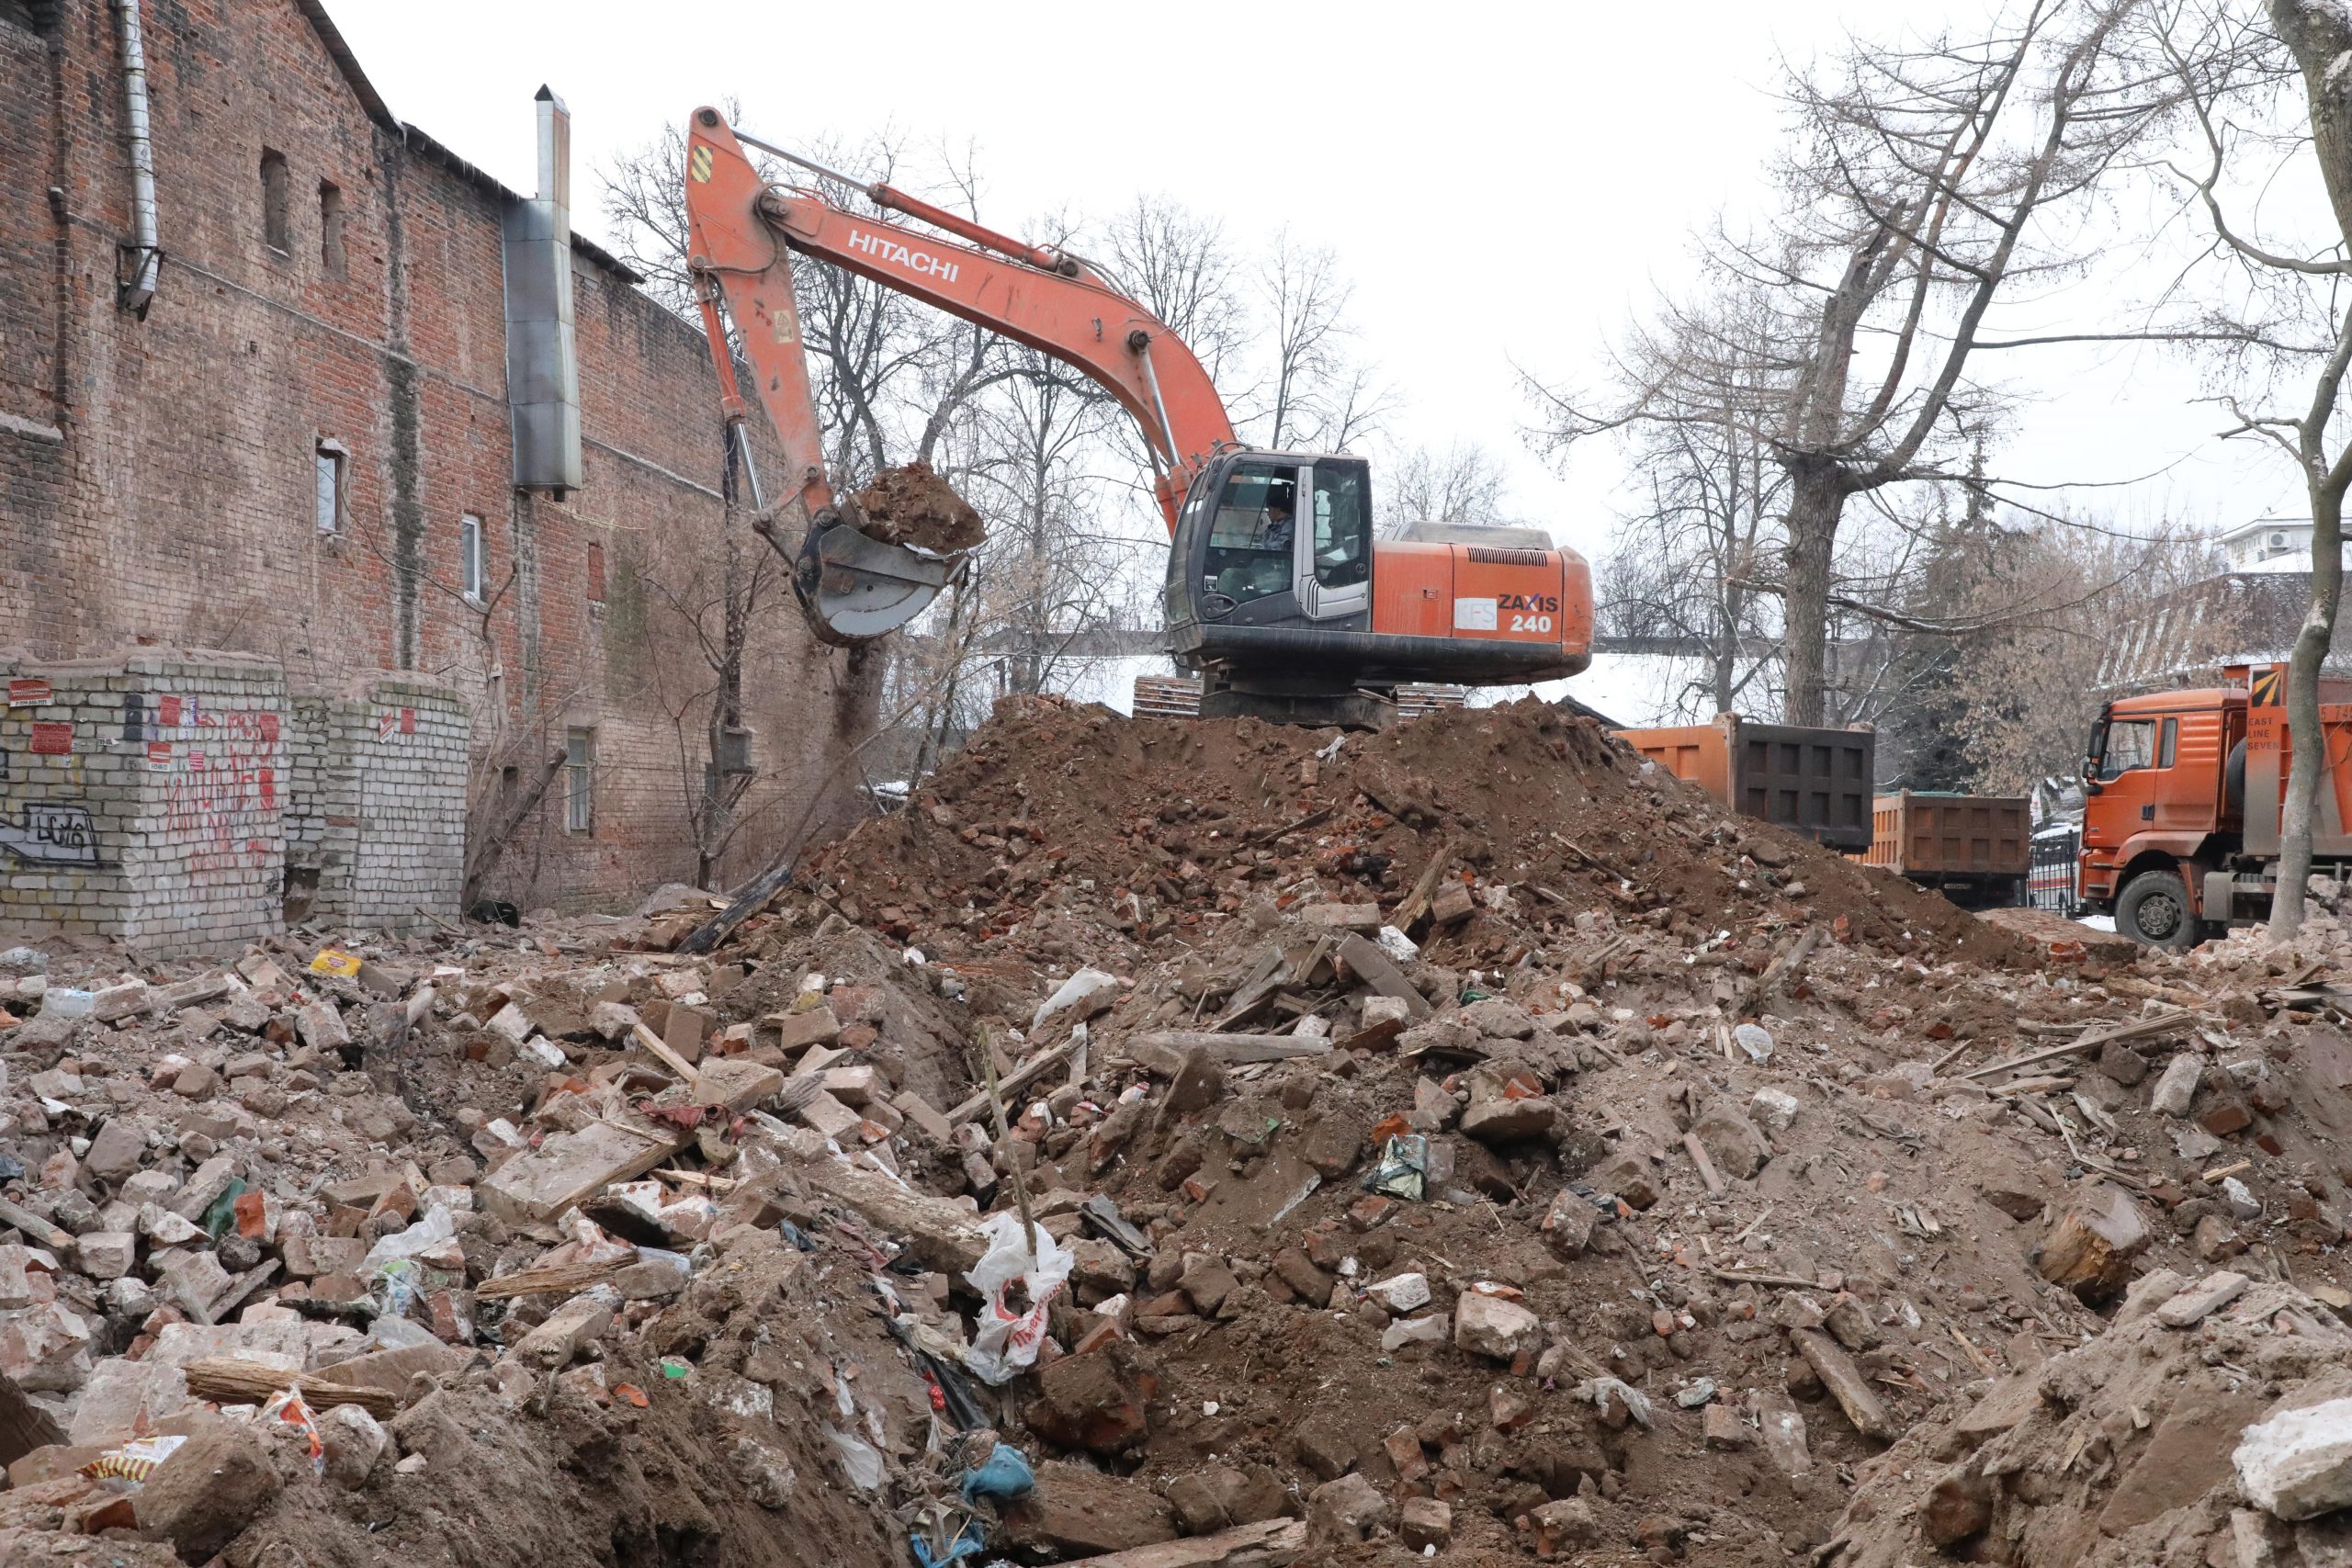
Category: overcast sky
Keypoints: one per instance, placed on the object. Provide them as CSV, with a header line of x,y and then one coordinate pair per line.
x,y
1503,183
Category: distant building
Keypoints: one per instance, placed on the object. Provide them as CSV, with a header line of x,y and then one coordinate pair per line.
x,y
2267,544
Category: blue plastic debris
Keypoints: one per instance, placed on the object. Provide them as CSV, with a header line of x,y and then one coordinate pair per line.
x,y
1004,1474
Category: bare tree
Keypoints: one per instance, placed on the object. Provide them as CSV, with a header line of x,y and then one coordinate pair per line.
x,y
1920,181
1311,392
1462,484
2282,343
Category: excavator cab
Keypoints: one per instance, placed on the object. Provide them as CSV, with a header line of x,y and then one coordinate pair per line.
x,y
1280,596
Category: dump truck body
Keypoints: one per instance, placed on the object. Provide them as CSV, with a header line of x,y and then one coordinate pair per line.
x,y
1975,848
1809,780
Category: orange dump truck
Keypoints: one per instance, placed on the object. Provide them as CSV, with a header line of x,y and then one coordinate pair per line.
x,y
1811,781
2180,828
1976,849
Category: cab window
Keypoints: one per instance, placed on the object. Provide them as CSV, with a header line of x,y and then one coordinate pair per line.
x,y
2167,741
1342,526
2130,743
1251,534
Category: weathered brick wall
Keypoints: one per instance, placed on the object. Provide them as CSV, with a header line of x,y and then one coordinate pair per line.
x,y
376,805
156,476
141,798
408,742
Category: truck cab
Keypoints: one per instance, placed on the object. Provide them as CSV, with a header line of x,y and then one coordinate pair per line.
x,y
2165,784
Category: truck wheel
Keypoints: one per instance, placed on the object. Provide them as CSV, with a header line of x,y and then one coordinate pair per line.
x,y
2153,912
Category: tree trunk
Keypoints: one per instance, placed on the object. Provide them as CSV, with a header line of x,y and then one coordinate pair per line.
x,y
2319,34
2307,764
1816,499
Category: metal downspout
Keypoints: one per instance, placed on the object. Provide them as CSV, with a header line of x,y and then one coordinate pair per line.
x,y
143,259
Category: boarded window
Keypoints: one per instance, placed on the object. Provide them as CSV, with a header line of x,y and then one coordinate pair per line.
x,y
473,559
275,221
330,467
580,781
331,229
595,574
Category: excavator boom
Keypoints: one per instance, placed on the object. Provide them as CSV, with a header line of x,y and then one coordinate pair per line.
x,y
1058,306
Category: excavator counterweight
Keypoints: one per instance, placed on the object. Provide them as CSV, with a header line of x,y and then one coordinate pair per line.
x,y
1277,591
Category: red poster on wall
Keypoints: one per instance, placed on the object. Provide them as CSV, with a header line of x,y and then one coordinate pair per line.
x,y
159,754
408,721
52,737
28,694
167,710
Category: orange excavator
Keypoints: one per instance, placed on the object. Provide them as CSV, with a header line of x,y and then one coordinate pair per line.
x,y
1277,592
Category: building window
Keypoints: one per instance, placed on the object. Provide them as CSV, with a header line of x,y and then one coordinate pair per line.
x,y
579,781
595,574
473,559
333,466
275,221
330,228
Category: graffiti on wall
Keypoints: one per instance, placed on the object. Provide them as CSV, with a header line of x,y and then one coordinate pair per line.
x,y
222,788
50,833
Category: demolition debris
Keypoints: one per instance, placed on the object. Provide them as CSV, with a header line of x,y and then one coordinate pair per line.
x,y
1185,1143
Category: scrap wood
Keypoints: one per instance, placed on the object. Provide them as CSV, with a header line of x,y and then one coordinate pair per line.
x,y
1276,1543
1417,902
1786,1282
1983,1362
551,1277
1785,968
1019,1078
1698,1152
1164,1051
2137,1028
667,1057
230,1381
1312,819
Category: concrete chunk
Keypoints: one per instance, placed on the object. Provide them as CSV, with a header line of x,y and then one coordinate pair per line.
x,y
540,1183
2175,1090
1489,1325
2297,1464
2204,1297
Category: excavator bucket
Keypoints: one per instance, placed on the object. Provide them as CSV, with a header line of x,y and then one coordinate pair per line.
x,y
853,588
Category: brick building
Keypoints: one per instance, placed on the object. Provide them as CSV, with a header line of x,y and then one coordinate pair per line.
x,y
302,448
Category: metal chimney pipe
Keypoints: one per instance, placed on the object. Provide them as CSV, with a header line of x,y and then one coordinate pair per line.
x,y
135,284
542,372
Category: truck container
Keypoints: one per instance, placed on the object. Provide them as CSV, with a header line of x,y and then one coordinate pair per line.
x,y
1812,781
2181,826
1975,848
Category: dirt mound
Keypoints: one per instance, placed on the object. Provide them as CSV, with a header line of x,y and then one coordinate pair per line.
x,y
913,505
1179,813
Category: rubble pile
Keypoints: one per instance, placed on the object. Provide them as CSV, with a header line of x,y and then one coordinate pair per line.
x,y
1175,1143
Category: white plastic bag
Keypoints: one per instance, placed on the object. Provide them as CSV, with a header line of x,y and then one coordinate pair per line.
x,y
1005,1341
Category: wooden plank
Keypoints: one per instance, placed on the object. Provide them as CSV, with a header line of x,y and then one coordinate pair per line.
x,y
662,1052
1376,969
1171,1045
552,1277
2137,1028
1846,1384
1707,1173
1417,902
1020,1077
228,1380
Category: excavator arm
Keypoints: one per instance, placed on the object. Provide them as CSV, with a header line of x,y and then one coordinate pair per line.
x,y
740,227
